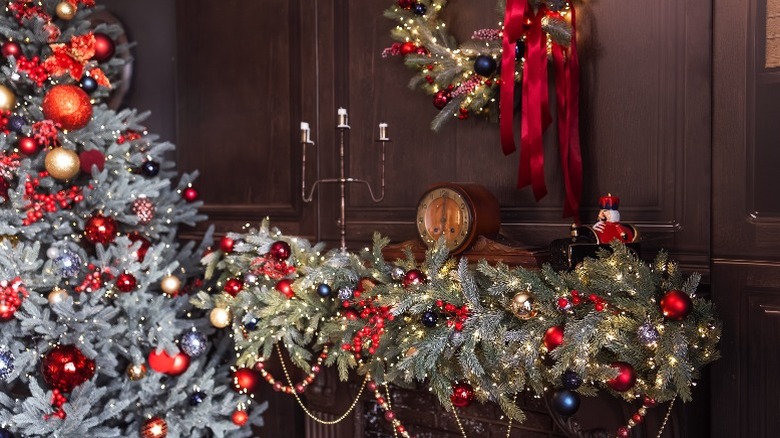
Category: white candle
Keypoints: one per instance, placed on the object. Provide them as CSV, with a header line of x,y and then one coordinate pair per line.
x,y
305,133
383,132
342,118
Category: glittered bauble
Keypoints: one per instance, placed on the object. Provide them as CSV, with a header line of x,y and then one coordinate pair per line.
x,y
197,398
27,145
150,168
429,318
280,250
462,395
571,380
16,123
90,158
285,287
57,295
62,164
324,290
419,9
226,245
154,427
11,48
484,65
676,305
144,209
190,194
126,282
164,363
245,380
7,366
553,337
566,402
397,273
140,253
67,105
170,284
346,293
233,286
193,343
100,229
625,379
413,277
66,10
522,305
65,367
7,98
88,84
220,317
68,264
104,47
440,99
647,334
239,417
136,372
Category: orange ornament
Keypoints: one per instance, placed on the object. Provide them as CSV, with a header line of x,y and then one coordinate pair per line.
x,y
67,105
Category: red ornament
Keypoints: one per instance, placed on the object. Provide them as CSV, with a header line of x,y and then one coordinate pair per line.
x,y
239,418
285,287
190,194
226,245
440,99
350,314
92,157
166,364
233,286
67,105
10,298
622,432
553,337
407,48
140,254
100,229
27,145
126,282
104,47
65,367
11,48
462,395
405,4
676,305
245,380
280,250
625,379
413,277
154,427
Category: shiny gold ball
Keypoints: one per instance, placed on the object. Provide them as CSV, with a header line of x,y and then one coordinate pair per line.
x,y
57,295
170,284
10,238
220,317
7,98
522,305
62,164
66,10
136,371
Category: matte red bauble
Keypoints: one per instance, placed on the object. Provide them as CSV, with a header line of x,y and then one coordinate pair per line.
x,y
104,47
412,277
145,245
245,380
162,362
553,337
285,287
676,305
280,250
226,245
190,194
126,282
11,48
27,145
462,395
100,229
233,286
239,418
154,427
625,379
65,367
92,157
67,105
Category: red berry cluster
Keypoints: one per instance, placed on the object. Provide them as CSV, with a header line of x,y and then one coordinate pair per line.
x,y
8,165
403,49
128,135
369,336
576,299
95,280
57,400
273,268
27,9
41,203
4,115
34,69
10,300
456,316
637,418
45,133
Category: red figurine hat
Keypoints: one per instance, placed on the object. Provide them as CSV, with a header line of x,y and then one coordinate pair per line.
x,y
609,202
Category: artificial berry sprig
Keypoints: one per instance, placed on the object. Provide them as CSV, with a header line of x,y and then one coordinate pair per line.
x,y
369,336
45,133
299,388
456,316
269,266
41,203
95,280
8,165
57,400
565,303
27,9
128,135
34,69
10,298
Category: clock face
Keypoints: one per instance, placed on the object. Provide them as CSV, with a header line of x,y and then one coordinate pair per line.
x,y
444,212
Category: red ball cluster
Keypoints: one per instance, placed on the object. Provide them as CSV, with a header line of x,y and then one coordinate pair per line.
x,y
564,303
47,203
11,296
65,367
369,336
456,316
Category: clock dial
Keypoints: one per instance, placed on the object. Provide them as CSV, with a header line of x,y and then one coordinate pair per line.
x,y
443,212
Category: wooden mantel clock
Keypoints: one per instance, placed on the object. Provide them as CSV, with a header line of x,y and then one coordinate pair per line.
x,y
467,216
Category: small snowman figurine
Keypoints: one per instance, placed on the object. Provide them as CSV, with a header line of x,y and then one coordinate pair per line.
x,y
608,226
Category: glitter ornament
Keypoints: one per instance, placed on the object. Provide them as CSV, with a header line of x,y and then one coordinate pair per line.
x,y
62,164
67,105
100,229
126,282
144,209
220,317
571,380
346,293
136,372
197,398
68,264
462,395
16,123
193,343
647,334
522,305
280,250
65,367
154,427
6,363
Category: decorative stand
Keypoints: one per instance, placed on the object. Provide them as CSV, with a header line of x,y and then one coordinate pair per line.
x,y
343,179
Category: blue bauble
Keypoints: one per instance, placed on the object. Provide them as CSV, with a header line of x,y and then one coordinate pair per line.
x,y
346,293
68,264
485,65
16,123
647,334
5,433
197,398
251,323
519,49
566,402
419,9
6,364
89,84
193,343
150,168
324,290
429,318
571,380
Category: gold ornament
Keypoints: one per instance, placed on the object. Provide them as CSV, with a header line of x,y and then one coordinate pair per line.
x,y
62,164
57,295
170,284
7,98
10,238
136,371
66,10
522,305
220,317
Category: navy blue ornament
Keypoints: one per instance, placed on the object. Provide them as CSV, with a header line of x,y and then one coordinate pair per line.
x,y
251,324
89,84
419,9
571,380
429,318
5,433
324,290
566,402
6,364
193,343
519,49
68,264
346,293
197,398
150,168
16,123
485,65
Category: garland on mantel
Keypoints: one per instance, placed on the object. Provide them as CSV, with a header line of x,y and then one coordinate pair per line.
x,y
479,331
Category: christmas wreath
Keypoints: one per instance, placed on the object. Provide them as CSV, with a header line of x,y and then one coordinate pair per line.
x,y
468,331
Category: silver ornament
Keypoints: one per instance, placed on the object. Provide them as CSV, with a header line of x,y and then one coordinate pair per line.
x,y
346,293
52,252
647,334
397,273
68,264
6,363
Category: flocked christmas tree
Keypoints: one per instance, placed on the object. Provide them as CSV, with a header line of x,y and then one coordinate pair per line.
x,y
96,336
